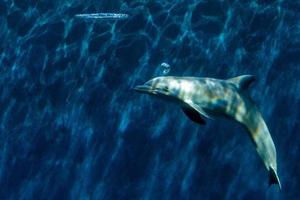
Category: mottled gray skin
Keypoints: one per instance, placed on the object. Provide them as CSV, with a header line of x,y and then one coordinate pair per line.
x,y
214,98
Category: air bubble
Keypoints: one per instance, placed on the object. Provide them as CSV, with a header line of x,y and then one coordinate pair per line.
x,y
166,68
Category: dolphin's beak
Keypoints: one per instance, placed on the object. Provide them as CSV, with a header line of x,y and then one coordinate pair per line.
x,y
144,89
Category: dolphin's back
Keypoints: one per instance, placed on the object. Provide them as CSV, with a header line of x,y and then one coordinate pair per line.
x,y
242,109
259,133
230,99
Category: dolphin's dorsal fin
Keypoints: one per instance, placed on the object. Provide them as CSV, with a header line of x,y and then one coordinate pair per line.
x,y
242,82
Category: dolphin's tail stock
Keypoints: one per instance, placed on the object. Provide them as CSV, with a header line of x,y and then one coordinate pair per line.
x,y
273,178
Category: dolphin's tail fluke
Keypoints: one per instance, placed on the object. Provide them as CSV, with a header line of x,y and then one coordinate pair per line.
x,y
273,179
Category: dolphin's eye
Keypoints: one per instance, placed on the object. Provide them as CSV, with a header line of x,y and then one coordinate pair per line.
x,y
166,88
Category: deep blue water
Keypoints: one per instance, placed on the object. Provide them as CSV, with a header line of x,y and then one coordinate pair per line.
x,y
72,128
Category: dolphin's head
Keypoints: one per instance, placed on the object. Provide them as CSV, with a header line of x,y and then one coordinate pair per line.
x,y
161,86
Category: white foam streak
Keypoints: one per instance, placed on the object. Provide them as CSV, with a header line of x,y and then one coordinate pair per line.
x,y
104,16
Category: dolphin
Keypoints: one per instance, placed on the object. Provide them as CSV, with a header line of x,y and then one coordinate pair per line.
x,y
202,98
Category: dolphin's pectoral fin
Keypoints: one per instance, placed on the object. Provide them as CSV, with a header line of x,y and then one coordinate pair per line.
x,y
193,115
198,109
273,178
242,82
